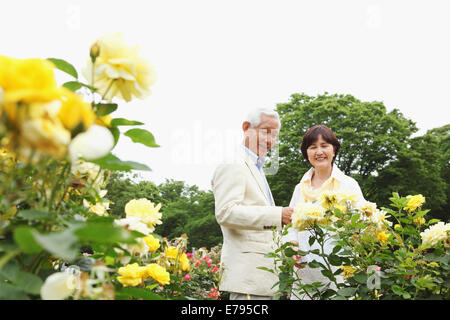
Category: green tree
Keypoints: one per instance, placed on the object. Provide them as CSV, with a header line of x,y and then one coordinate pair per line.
x,y
185,209
122,189
370,137
418,169
191,211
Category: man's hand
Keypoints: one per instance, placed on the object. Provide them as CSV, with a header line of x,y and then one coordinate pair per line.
x,y
286,214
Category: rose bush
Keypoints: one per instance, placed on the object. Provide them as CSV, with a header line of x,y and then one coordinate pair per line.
x,y
57,240
388,253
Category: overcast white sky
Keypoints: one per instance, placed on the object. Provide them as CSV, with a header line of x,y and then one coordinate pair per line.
x,y
216,60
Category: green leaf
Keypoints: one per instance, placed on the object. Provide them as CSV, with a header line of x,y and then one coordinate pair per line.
x,y
72,85
116,134
139,293
33,214
328,294
104,109
397,290
289,252
111,162
10,270
360,277
355,218
420,214
327,273
337,249
28,282
346,292
142,136
302,253
64,66
62,244
314,264
124,122
406,295
25,281
10,292
23,236
104,233
334,260
265,269
75,85
5,247
433,221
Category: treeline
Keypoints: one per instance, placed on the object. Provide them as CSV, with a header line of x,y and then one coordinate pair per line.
x,y
377,149
185,209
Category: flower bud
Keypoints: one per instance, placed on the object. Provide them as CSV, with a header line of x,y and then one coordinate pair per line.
x,y
419,221
95,52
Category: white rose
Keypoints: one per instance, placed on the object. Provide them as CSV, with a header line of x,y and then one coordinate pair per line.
x,y
133,224
58,286
92,144
435,233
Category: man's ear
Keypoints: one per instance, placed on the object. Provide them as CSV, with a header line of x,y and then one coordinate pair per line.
x,y
245,125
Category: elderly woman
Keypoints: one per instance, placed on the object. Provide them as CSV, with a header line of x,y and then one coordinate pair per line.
x,y
320,148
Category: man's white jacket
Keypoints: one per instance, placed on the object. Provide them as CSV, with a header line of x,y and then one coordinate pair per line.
x,y
246,218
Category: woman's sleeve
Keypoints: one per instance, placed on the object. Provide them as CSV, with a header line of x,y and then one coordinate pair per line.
x,y
357,189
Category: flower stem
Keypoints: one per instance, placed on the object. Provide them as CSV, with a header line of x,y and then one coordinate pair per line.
x,y
107,90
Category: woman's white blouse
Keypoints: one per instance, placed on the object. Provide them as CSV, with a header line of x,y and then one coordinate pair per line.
x,y
347,184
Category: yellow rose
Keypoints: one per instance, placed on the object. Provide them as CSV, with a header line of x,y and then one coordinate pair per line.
x,y
184,262
368,208
307,215
379,217
345,198
328,199
414,202
152,243
7,157
26,81
348,271
145,211
342,209
118,70
100,208
74,111
436,233
131,275
171,252
398,227
157,273
419,221
42,130
382,237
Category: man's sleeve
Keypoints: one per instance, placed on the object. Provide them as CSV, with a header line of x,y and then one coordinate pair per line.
x,y
229,190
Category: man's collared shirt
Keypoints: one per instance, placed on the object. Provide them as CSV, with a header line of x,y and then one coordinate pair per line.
x,y
259,163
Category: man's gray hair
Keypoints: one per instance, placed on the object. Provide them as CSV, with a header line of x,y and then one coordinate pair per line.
x,y
254,117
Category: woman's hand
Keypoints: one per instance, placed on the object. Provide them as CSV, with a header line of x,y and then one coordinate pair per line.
x,y
296,256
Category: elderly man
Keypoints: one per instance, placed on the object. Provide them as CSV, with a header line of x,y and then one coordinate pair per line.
x,y
246,212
